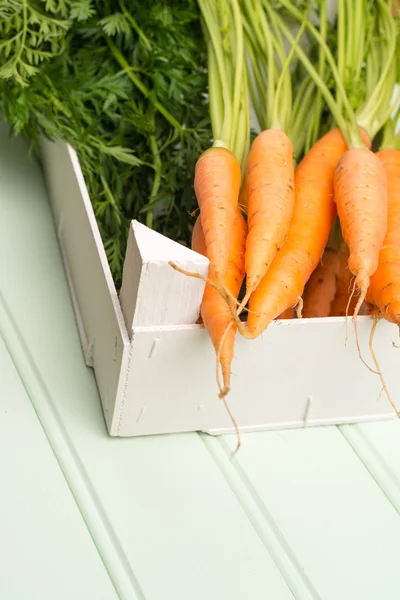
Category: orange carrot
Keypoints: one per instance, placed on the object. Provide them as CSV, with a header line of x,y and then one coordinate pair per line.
x,y
384,290
243,203
340,302
287,314
360,185
344,302
214,309
312,219
383,296
217,184
269,187
321,287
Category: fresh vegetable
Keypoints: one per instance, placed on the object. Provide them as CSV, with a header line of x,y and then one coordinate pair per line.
x,y
313,216
361,196
217,186
384,289
125,83
217,177
269,176
214,310
287,314
321,287
270,201
360,180
344,301
383,295
358,228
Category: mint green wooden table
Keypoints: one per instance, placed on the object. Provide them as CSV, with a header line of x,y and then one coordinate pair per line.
x,y
306,514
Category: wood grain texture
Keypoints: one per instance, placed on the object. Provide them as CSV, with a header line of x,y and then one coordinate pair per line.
x,y
338,524
41,527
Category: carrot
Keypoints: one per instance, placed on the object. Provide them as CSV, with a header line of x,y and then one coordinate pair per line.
x,y
359,178
217,185
383,296
344,302
269,181
340,305
321,287
384,290
312,219
269,172
287,314
214,310
363,222
243,203
360,186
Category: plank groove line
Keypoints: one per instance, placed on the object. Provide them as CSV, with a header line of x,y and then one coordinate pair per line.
x,y
374,462
104,538
261,520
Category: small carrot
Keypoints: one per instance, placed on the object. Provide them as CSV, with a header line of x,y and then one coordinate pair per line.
x,y
312,219
321,287
243,201
287,314
217,184
384,290
269,188
344,302
340,305
360,185
214,310
269,171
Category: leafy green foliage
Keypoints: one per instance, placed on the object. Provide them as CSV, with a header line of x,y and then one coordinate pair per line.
x,y
135,163
30,33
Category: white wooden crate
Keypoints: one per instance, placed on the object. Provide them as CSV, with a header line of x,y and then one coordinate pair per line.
x,y
155,368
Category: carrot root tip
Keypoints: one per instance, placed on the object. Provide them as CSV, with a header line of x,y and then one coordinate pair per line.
x,y
299,308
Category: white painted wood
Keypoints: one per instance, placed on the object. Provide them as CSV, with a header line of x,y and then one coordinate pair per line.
x,y
299,373
98,313
162,380
152,292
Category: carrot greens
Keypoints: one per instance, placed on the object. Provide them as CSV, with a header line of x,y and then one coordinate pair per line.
x,y
125,83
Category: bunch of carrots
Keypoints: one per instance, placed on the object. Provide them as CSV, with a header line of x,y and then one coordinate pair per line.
x,y
302,219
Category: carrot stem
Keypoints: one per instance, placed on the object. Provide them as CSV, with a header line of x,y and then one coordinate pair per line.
x,y
255,81
228,90
135,26
340,30
221,137
391,129
157,176
270,64
239,62
350,129
214,91
282,122
313,129
119,57
374,113
301,116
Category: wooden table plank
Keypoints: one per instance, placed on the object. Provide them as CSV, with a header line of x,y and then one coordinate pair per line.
x,y
45,551
378,447
336,521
